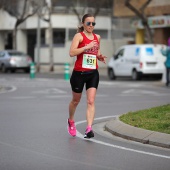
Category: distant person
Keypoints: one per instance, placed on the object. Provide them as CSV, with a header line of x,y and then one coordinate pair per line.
x,y
166,53
86,47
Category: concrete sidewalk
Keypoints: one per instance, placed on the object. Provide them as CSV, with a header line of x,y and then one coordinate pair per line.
x,y
118,128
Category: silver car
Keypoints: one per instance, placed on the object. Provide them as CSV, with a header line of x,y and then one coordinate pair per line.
x,y
13,60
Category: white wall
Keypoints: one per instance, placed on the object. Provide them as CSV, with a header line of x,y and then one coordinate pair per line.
x,y
6,21
61,54
58,21
21,41
106,47
65,21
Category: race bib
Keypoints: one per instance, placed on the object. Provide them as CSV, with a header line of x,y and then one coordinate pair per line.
x,y
89,61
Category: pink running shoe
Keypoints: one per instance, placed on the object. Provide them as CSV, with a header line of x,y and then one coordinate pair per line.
x,y
71,127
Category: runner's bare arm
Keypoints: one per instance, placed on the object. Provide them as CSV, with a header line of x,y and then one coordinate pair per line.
x,y
74,50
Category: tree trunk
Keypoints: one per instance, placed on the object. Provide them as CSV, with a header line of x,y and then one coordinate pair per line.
x,y
14,35
149,34
51,45
50,38
141,15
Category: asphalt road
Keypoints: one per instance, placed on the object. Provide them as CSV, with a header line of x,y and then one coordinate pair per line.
x,y
33,133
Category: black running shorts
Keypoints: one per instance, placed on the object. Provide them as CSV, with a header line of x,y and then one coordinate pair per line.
x,y
79,78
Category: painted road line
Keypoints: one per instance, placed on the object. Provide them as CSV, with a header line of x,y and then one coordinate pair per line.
x,y
50,91
12,89
23,97
117,146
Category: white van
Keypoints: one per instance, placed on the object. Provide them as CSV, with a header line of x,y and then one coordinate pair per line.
x,y
136,61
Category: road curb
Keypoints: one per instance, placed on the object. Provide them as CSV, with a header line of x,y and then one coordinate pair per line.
x,y
118,128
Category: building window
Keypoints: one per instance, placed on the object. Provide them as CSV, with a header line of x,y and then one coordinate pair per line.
x,y
102,33
58,37
72,32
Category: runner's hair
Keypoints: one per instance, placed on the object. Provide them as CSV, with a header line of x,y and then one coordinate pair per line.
x,y
81,28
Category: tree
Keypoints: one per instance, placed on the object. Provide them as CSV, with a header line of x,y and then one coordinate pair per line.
x,y
49,4
95,5
21,10
45,15
141,14
49,7
40,14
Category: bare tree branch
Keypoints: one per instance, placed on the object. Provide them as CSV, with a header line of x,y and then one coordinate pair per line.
x,y
144,6
93,4
140,13
20,9
132,8
24,9
77,14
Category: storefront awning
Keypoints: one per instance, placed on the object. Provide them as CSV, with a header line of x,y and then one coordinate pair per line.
x,y
154,22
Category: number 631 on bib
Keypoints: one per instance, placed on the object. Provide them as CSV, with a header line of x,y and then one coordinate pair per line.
x,y
89,61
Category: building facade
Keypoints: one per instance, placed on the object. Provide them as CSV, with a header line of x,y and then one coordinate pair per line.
x,y
158,13
64,25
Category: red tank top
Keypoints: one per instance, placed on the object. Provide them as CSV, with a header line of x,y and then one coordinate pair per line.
x,y
85,59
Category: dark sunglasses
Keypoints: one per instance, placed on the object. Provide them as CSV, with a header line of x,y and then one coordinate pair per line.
x,y
89,23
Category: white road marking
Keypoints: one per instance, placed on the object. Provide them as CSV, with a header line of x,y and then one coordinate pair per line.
x,y
137,92
108,83
58,96
116,146
23,97
128,91
120,84
52,90
13,88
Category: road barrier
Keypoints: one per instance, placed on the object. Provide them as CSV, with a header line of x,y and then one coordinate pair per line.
x,y
32,70
66,71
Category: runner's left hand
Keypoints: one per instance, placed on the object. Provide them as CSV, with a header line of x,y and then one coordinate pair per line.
x,y
102,58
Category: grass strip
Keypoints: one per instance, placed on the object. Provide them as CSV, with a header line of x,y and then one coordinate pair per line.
x,y
155,119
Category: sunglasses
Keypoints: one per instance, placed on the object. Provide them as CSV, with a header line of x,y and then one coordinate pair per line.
x,y
89,23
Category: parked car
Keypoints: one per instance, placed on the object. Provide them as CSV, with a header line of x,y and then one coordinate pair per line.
x,y
135,61
13,60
